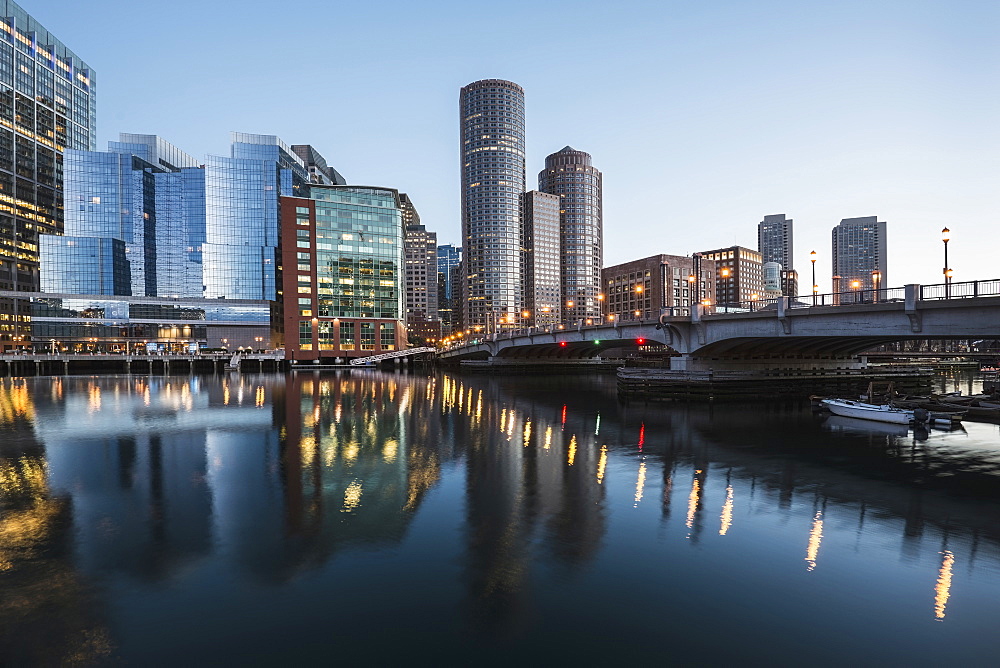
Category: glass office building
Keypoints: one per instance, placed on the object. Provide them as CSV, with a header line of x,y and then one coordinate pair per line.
x,y
143,192
493,180
343,279
449,261
571,175
242,211
860,252
47,104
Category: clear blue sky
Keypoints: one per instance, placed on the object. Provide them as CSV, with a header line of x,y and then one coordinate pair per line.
x,y
703,116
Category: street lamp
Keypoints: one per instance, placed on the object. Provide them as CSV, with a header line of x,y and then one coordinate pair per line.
x,y
876,281
812,258
946,237
854,286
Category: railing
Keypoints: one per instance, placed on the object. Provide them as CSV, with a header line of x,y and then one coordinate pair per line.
x,y
358,361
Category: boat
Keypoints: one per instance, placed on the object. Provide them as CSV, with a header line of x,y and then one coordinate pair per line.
x,y
847,425
863,411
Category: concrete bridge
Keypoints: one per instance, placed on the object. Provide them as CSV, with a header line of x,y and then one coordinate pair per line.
x,y
784,333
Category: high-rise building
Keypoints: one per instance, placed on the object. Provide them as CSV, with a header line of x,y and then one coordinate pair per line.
x,y
319,172
644,289
859,251
421,278
242,212
571,175
774,240
493,179
134,222
543,293
449,276
342,253
47,105
739,275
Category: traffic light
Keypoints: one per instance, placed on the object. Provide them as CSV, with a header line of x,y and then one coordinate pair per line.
x,y
640,341
562,344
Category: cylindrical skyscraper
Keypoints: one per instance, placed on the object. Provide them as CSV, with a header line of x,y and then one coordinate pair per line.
x,y
570,174
493,180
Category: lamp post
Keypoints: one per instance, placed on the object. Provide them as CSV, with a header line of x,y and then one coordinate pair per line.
x,y
946,237
854,286
876,281
812,258
724,273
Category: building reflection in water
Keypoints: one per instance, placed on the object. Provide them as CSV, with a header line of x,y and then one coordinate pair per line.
x,y
141,478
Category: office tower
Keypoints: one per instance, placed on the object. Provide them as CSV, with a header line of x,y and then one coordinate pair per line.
x,y
570,175
739,275
47,105
449,264
421,278
319,172
493,180
789,282
859,251
543,293
242,211
134,222
661,284
342,283
774,240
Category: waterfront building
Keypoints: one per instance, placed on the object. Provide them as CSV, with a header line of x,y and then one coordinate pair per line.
x,y
789,282
774,240
134,222
660,284
543,292
739,275
571,175
860,252
421,278
493,179
242,194
343,281
135,324
449,259
47,105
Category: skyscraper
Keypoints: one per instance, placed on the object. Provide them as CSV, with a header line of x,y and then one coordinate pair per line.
x,y
132,222
449,276
859,251
774,240
543,297
493,180
47,104
421,284
571,175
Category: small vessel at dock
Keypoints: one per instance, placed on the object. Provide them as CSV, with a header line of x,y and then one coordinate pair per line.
x,y
863,411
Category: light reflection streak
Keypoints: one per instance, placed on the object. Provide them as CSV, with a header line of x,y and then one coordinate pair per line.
x,y
727,511
548,438
815,537
571,454
602,464
352,497
942,588
640,484
510,425
527,433
694,498
597,428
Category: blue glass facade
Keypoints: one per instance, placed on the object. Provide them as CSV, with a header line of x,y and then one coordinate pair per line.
x,y
242,213
133,195
47,104
98,265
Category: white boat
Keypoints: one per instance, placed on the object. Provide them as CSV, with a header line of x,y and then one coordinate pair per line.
x,y
857,409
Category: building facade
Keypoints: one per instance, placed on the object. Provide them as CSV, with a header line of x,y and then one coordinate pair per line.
x,y
47,105
789,282
543,291
774,240
859,253
449,277
660,284
739,276
421,278
342,278
571,175
492,152
143,192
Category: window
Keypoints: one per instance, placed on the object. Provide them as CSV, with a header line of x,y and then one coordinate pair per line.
x,y
305,335
387,336
367,336
347,336
325,331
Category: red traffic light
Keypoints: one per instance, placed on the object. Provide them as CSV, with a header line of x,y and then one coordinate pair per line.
x,y
562,344
640,341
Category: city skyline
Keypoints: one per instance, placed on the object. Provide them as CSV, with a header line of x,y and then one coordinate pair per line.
x,y
863,119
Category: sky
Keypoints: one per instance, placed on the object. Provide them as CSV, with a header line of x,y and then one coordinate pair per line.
x,y
703,116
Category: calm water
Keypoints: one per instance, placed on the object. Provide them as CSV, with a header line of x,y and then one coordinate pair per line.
x,y
372,517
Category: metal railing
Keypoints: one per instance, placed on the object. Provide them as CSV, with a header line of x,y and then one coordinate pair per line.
x,y
358,361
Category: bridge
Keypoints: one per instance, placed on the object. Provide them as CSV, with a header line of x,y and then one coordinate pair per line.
x,y
810,332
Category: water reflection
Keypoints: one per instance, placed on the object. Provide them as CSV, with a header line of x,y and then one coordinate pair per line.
x,y
472,507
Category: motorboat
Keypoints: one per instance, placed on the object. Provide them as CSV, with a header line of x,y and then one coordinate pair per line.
x,y
863,411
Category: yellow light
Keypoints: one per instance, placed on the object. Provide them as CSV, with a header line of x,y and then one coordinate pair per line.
x,y
638,288
945,234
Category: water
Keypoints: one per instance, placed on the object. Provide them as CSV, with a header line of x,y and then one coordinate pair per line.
x,y
259,520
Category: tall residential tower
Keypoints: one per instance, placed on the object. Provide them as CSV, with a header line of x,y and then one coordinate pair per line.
x,y
571,175
493,180
860,253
